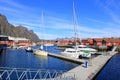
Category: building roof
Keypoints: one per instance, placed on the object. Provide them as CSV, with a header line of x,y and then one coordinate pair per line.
x,y
17,39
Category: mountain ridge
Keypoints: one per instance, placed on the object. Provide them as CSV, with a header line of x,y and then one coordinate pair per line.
x,y
16,31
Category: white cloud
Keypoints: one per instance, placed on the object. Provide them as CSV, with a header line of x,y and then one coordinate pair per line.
x,y
11,3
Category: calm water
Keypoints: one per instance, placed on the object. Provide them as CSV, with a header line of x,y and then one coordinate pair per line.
x,y
22,59
112,70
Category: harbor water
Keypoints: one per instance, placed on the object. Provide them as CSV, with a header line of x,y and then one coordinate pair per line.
x,y
19,58
111,71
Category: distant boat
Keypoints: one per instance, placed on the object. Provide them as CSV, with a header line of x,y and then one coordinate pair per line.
x,y
28,49
48,44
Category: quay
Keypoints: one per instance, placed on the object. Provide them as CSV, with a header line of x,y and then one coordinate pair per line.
x,y
79,61
83,73
95,65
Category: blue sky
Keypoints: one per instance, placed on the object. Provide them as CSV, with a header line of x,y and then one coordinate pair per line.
x,y
95,18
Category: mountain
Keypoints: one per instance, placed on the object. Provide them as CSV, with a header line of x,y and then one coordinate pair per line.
x,y
16,31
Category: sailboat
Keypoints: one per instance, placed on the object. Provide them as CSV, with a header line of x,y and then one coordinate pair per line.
x,y
76,51
41,51
72,52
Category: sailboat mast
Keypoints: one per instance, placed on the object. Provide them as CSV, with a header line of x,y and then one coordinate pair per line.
x,y
42,18
74,19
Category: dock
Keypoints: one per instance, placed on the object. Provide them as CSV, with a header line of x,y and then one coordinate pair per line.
x,y
79,61
83,73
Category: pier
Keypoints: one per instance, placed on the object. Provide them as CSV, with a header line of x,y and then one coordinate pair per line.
x,y
79,61
83,73
95,65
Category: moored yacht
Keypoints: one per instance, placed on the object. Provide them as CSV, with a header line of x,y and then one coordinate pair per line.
x,y
76,53
40,52
71,52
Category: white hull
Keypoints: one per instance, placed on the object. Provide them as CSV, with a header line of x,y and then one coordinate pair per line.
x,y
76,53
70,55
71,52
39,52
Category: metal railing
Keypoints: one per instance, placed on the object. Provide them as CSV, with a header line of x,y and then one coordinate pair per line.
x,y
32,74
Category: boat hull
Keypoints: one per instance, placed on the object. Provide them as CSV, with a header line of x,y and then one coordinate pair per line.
x,y
28,50
71,55
39,52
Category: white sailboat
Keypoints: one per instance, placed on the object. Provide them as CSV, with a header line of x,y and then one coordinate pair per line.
x,y
40,51
76,51
72,52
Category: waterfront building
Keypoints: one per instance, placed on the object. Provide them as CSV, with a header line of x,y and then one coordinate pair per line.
x,y
14,41
3,42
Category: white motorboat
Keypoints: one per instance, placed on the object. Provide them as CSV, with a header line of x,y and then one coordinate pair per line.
x,y
85,51
29,49
71,52
76,53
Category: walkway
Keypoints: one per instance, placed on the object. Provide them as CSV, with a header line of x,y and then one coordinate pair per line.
x,y
83,73
67,58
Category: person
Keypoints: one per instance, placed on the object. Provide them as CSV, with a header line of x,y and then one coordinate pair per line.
x,y
86,63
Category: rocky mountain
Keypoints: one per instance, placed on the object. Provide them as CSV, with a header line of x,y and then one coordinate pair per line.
x,y
16,31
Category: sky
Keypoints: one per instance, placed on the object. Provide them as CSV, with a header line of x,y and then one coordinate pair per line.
x,y
94,18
